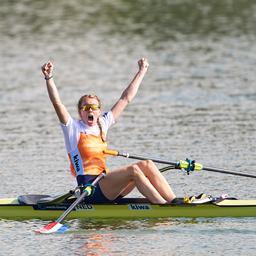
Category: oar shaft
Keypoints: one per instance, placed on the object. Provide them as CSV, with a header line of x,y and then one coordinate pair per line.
x,y
210,169
176,164
160,161
79,199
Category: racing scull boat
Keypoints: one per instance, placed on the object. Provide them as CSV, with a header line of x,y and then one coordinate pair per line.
x,y
45,207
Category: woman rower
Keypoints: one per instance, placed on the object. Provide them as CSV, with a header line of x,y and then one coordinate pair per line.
x,y
85,141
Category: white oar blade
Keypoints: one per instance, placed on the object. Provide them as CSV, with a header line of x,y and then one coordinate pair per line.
x,y
52,228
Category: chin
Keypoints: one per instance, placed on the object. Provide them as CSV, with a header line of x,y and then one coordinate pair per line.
x,y
91,123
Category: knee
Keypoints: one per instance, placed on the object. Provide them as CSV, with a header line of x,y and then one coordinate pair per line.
x,y
147,165
135,172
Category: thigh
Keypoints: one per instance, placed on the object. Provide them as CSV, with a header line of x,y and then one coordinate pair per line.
x,y
115,182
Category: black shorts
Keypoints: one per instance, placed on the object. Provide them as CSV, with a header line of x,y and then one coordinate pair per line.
x,y
97,196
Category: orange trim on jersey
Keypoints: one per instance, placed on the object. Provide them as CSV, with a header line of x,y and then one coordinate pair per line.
x,y
91,149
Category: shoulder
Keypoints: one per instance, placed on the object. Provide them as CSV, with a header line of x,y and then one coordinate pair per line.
x,y
108,118
72,122
107,115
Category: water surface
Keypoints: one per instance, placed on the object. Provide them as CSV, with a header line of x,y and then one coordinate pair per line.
x,y
197,100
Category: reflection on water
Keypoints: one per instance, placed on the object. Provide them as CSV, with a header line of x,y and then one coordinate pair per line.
x,y
168,224
119,224
97,244
180,236
110,237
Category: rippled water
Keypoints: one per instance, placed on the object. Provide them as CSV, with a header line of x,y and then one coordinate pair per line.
x,y
162,237
197,100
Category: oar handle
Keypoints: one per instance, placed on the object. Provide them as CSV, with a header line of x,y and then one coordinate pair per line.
x,y
111,152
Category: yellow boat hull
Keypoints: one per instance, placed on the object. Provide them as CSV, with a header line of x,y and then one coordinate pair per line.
x,y
10,208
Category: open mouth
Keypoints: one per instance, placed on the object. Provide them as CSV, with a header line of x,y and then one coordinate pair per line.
x,y
90,117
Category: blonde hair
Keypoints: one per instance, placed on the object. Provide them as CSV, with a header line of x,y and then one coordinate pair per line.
x,y
79,106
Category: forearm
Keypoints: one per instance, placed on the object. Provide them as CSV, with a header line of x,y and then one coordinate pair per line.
x,y
60,109
132,89
53,92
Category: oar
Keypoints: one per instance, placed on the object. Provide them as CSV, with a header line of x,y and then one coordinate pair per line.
x,y
56,226
188,165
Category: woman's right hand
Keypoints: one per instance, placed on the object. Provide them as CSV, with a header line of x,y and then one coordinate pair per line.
x,y
47,69
143,64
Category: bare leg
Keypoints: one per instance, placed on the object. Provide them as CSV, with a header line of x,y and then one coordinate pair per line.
x,y
118,181
156,178
128,189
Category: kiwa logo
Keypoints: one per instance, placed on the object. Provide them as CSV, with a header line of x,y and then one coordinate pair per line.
x,y
139,207
76,162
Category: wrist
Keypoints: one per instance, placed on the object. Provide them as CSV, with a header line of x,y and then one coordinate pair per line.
x,y
48,77
143,70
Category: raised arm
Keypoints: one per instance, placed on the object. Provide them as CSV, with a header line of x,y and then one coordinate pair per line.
x,y
60,109
130,92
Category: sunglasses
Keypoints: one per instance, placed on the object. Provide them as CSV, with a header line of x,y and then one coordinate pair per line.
x,y
86,107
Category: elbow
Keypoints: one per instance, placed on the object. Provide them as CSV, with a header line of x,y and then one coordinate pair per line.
x,y
126,98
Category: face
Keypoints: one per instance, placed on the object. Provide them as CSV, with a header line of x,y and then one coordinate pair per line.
x,y
90,111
